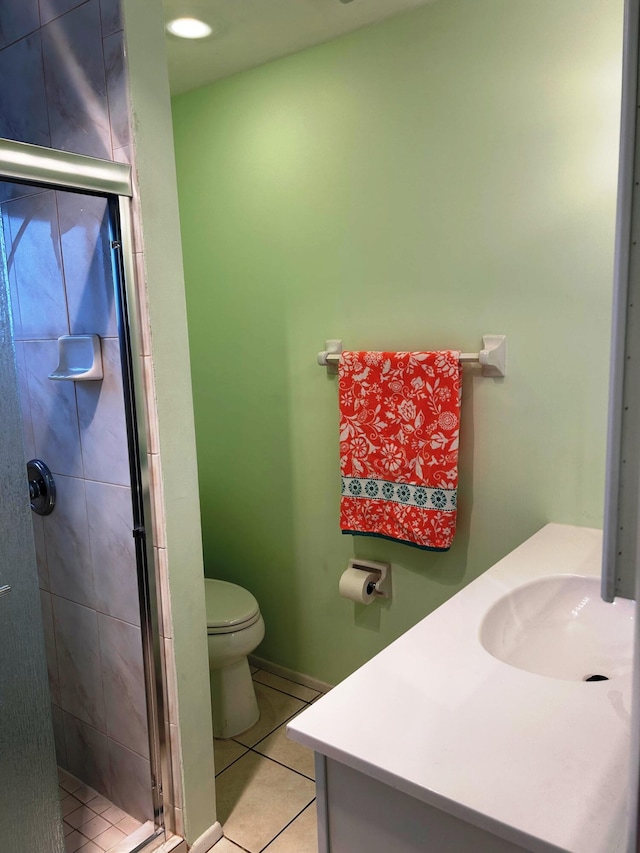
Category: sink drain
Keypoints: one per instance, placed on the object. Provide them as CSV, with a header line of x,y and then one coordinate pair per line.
x,y
596,678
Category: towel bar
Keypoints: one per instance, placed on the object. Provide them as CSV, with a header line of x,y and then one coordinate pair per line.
x,y
493,356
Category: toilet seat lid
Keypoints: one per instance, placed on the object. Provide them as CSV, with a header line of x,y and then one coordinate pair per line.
x,y
229,605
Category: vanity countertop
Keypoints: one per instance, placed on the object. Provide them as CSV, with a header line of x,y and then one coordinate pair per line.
x,y
539,761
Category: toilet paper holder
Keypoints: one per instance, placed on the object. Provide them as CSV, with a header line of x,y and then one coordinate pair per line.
x,y
382,586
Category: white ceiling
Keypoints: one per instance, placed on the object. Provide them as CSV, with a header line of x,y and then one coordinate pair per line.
x,y
250,32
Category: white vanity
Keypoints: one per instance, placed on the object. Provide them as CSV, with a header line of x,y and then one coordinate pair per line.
x,y
438,745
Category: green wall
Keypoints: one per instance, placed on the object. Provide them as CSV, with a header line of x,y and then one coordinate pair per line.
x,y
445,174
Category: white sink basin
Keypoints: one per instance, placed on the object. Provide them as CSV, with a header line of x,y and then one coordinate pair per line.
x,y
559,626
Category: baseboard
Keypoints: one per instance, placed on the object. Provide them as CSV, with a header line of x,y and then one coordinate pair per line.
x,y
292,675
208,838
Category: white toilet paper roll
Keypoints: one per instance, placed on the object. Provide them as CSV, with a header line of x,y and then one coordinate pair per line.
x,y
354,585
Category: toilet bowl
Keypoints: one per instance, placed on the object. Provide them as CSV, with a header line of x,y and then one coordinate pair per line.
x,y
235,628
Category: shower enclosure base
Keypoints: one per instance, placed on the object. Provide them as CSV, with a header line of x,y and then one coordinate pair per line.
x,y
88,816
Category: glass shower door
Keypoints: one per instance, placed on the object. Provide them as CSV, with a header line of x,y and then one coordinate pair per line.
x,y
66,275
29,808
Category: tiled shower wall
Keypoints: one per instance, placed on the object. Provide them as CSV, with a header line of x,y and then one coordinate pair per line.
x,y
64,86
61,66
59,270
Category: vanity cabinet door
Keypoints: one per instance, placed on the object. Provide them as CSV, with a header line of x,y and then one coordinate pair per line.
x,y
364,814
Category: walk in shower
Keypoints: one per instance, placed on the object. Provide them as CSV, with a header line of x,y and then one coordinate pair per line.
x,y
66,276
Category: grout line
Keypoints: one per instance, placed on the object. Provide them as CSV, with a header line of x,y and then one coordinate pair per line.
x,y
271,731
20,38
44,73
90,725
286,766
62,14
247,748
239,846
95,610
255,751
291,675
284,828
284,692
282,678
267,758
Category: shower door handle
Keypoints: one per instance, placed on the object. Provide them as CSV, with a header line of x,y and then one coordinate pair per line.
x,y
5,590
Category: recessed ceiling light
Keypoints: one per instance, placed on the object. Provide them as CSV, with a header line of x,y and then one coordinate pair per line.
x,y
189,28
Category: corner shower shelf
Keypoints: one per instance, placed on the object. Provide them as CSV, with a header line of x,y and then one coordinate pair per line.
x,y
79,358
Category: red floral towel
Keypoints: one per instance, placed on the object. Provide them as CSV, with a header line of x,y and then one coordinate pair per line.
x,y
399,423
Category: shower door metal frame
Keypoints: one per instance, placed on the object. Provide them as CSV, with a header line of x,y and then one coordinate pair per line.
x,y
32,164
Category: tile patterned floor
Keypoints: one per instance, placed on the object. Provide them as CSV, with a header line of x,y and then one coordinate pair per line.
x,y
265,782
91,823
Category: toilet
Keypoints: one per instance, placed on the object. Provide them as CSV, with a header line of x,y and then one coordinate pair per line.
x,y
235,628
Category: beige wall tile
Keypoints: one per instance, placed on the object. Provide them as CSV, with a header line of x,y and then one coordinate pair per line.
x,y
179,821
171,709
157,500
169,817
124,688
143,309
153,439
176,770
162,569
131,781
